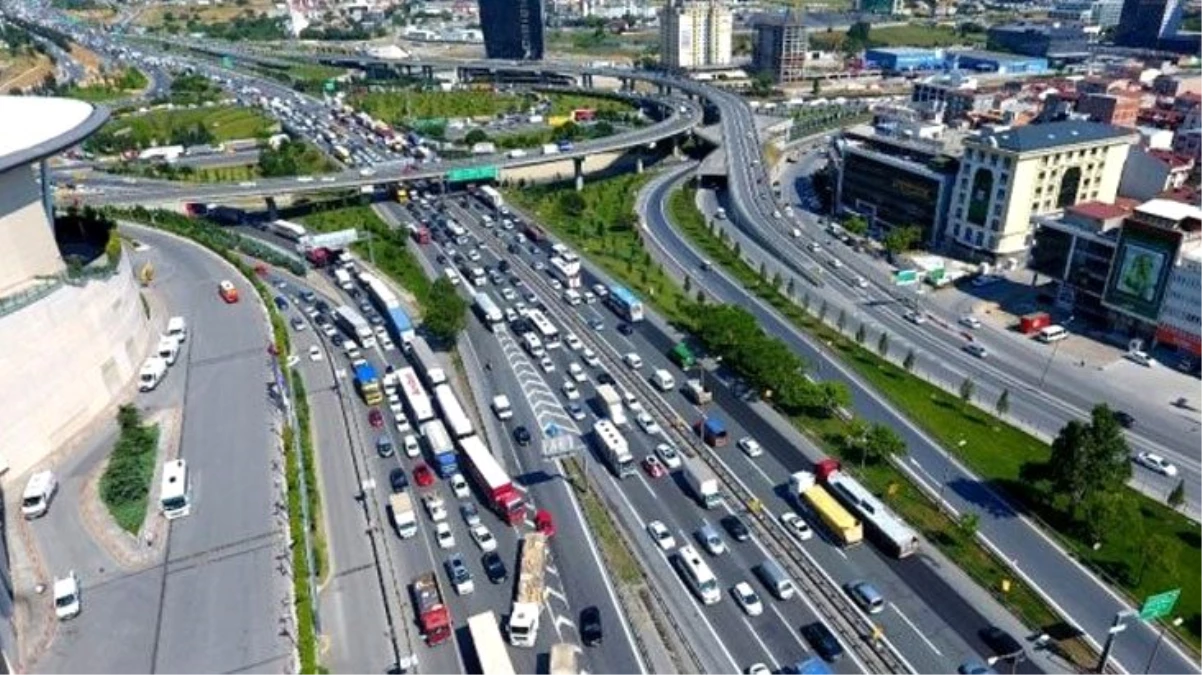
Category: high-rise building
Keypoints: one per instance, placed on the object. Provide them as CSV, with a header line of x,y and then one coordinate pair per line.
x,y
1146,23
695,34
780,46
513,29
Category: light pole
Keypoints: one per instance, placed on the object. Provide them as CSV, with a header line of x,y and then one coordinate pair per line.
x,y
1117,626
1051,357
1160,638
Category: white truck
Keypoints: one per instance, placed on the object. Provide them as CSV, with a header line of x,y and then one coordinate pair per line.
x,y
344,279
502,407
611,404
404,518
528,602
702,482
168,349
614,448
550,149
696,392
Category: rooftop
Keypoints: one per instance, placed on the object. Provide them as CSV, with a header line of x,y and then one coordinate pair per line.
x,y
46,126
1035,137
1170,210
1099,210
1000,57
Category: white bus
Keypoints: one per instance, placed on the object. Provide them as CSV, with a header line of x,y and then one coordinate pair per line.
x,y
175,494
415,395
355,326
614,449
287,230
491,651
698,575
487,310
547,332
492,196
565,270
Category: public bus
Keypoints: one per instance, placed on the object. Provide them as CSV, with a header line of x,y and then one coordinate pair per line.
x,y
228,292
890,532
175,494
287,230
624,303
565,270
491,196
415,395
491,651
487,310
698,575
547,332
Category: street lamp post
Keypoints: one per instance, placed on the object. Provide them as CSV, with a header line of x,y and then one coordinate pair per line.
x,y
1160,638
1051,357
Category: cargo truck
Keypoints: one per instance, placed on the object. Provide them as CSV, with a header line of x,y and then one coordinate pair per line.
x,y
682,356
528,601
812,497
442,449
492,480
404,518
696,392
614,449
611,403
712,431
702,482
367,383
564,659
433,615
550,149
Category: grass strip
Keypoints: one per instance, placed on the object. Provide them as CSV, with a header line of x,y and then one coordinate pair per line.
x,y
618,558
309,464
125,483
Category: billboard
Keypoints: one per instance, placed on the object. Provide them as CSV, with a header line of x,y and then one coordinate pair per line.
x,y
1139,273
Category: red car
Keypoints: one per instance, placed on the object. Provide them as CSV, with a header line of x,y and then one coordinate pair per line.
x,y
654,467
375,418
544,523
422,475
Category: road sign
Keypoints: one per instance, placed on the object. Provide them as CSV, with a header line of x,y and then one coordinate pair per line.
x,y
905,277
330,85
472,173
227,62
1159,605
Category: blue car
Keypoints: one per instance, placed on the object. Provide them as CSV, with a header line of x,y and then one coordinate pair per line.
x,y
281,303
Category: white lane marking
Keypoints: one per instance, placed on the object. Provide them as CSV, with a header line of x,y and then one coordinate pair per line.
x,y
751,631
789,629
915,629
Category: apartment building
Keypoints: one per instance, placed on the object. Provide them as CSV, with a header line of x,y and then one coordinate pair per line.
x,y
695,34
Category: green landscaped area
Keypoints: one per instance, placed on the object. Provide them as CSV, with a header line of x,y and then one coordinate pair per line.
x,y
181,127
910,35
125,483
121,84
398,107
601,42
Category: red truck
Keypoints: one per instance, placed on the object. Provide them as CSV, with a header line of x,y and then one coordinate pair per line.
x,y
492,480
318,257
433,615
420,234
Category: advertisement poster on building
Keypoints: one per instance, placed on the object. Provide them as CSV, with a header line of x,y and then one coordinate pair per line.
x,y
1138,280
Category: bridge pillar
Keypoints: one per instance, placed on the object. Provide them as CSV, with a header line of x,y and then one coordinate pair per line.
x,y
662,89
638,163
676,154
578,170
428,73
588,80
47,193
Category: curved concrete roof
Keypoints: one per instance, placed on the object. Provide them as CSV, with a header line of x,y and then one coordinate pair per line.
x,y
37,127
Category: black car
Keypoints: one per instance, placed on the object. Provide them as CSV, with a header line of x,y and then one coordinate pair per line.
x,y
321,306
521,435
605,378
398,480
494,567
625,329
590,626
308,296
822,640
442,259
1124,419
337,339
281,303
503,266
1003,644
738,531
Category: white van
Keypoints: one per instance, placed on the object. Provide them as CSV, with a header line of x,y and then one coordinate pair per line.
x,y
571,297
168,349
534,345
177,328
633,360
152,373
1052,334
38,492
663,380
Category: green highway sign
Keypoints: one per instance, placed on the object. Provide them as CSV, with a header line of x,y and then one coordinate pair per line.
x,y
227,62
472,173
330,86
903,277
1161,604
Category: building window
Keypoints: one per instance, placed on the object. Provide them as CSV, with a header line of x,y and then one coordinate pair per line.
x,y
1070,184
980,237
997,209
956,231
982,189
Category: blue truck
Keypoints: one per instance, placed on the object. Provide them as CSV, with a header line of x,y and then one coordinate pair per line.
x,y
442,450
712,431
367,383
401,325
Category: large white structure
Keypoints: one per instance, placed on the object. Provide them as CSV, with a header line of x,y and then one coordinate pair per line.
x,y
1181,312
695,34
69,344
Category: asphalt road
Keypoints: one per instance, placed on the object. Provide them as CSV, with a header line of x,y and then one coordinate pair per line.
x,y
214,605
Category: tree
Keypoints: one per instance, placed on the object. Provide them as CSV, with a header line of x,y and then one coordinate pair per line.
x,y
861,334
882,345
902,239
822,310
475,136
1177,497
968,523
842,320
805,302
1089,459
1003,403
817,87
763,271
908,363
967,387
856,225
446,313
688,284
857,37
700,297
761,83
833,396
882,442
738,250
1157,555
572,203
790,288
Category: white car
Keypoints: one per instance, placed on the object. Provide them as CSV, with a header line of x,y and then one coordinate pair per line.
x,y
459,486
556,285
66,597
577,372
509,294
660,534
970,322
796,526
916,318
668,455
750,446
412,449
547,364
436,508
484,538
861,282
402,423
590,358
573,342
446,538
1154,462
570,391
647,423
633,360
315,353
747,598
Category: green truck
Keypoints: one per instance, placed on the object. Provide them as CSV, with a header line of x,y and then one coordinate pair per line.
x,y
682,356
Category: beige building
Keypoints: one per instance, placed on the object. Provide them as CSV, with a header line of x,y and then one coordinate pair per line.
x,y
1006,177
695,34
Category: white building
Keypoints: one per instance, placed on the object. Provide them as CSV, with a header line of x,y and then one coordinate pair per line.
x,y
1181,312
695,34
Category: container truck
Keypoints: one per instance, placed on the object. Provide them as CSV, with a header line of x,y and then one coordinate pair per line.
x,y
812,497
492,481
712,432
404,518
550,149
442,449
433,615
702,482
458,423
487,310
611,403
401,325
491,655
528,601
426,364
367,383
416,400
614,448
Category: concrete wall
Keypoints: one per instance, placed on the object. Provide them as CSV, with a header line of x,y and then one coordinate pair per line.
x,y
63,359
27,247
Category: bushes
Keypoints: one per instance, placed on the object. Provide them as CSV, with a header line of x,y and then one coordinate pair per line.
x,y
125,484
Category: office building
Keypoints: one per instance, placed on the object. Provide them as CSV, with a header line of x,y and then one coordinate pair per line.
x,y
1059,43
513,29
1074,248
780,47
1188,143
1100,13
1147,24
695,34
1180,323
1148,173
879,6
996,62
1006,177
1118,109
905,59
954,95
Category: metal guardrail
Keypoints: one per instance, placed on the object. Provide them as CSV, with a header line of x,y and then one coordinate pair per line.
x,y
876,654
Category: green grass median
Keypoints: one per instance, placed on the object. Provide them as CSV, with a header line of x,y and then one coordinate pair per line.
x,y
125,483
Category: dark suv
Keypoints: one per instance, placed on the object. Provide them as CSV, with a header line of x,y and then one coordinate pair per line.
x,y
494,567
822,640
590,626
